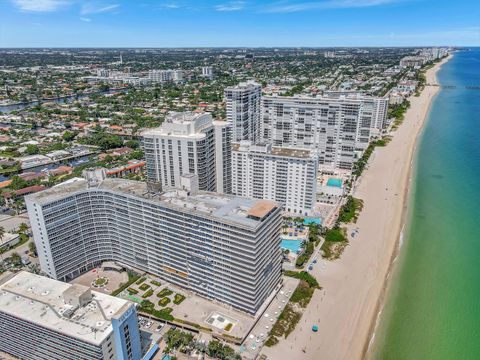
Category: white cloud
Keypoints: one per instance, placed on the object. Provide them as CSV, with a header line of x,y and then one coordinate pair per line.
x,y
231,6
85,19
86,7
93,8
170,6
40,5
287,6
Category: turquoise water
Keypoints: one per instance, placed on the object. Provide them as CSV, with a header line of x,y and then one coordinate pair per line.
x,y
292,245
335,182
308,221
433,307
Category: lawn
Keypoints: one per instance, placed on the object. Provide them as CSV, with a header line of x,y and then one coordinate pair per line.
x,y
148,294
178,299
165,292
335,243
148,307
102,281
144,287
164,301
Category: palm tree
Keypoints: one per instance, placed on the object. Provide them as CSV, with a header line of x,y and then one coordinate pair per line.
x,y
22,228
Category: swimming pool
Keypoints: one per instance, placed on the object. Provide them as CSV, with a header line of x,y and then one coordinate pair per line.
x,y
292,245
308,221
336,182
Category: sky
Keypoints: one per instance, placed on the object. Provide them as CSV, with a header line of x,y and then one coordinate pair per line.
x,y
238,23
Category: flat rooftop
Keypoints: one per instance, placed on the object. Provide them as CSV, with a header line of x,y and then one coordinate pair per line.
x,y
278,151
223,207
261,208
250,84
329,98
187,124
40,300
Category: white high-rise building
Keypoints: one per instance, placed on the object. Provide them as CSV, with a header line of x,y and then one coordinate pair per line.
x,y
207,72
223,157
340,127
103,73
219,246
413,61
189,143
380,106
45,319
243,110
162,76
286,175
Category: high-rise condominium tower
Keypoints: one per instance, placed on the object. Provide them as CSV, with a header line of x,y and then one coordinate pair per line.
x,y
220,246
339,127
243,110
189,143
286,175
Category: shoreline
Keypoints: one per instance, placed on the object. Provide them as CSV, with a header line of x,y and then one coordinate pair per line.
x,y
354,287
370,340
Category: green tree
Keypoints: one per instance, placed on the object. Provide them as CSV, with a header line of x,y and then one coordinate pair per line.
x,y
32,149
34,269
22,228
137,155
16,259
223,352
32,247
132,144
69,136
18,183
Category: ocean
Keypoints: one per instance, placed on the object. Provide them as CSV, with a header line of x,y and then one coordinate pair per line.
x,y
432,310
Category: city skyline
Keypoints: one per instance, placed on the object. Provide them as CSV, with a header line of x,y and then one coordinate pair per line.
x,y
120,23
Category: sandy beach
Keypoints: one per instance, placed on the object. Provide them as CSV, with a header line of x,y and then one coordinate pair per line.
x,y
346,309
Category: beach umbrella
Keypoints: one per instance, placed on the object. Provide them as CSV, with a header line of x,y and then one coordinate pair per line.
x,y
314,328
